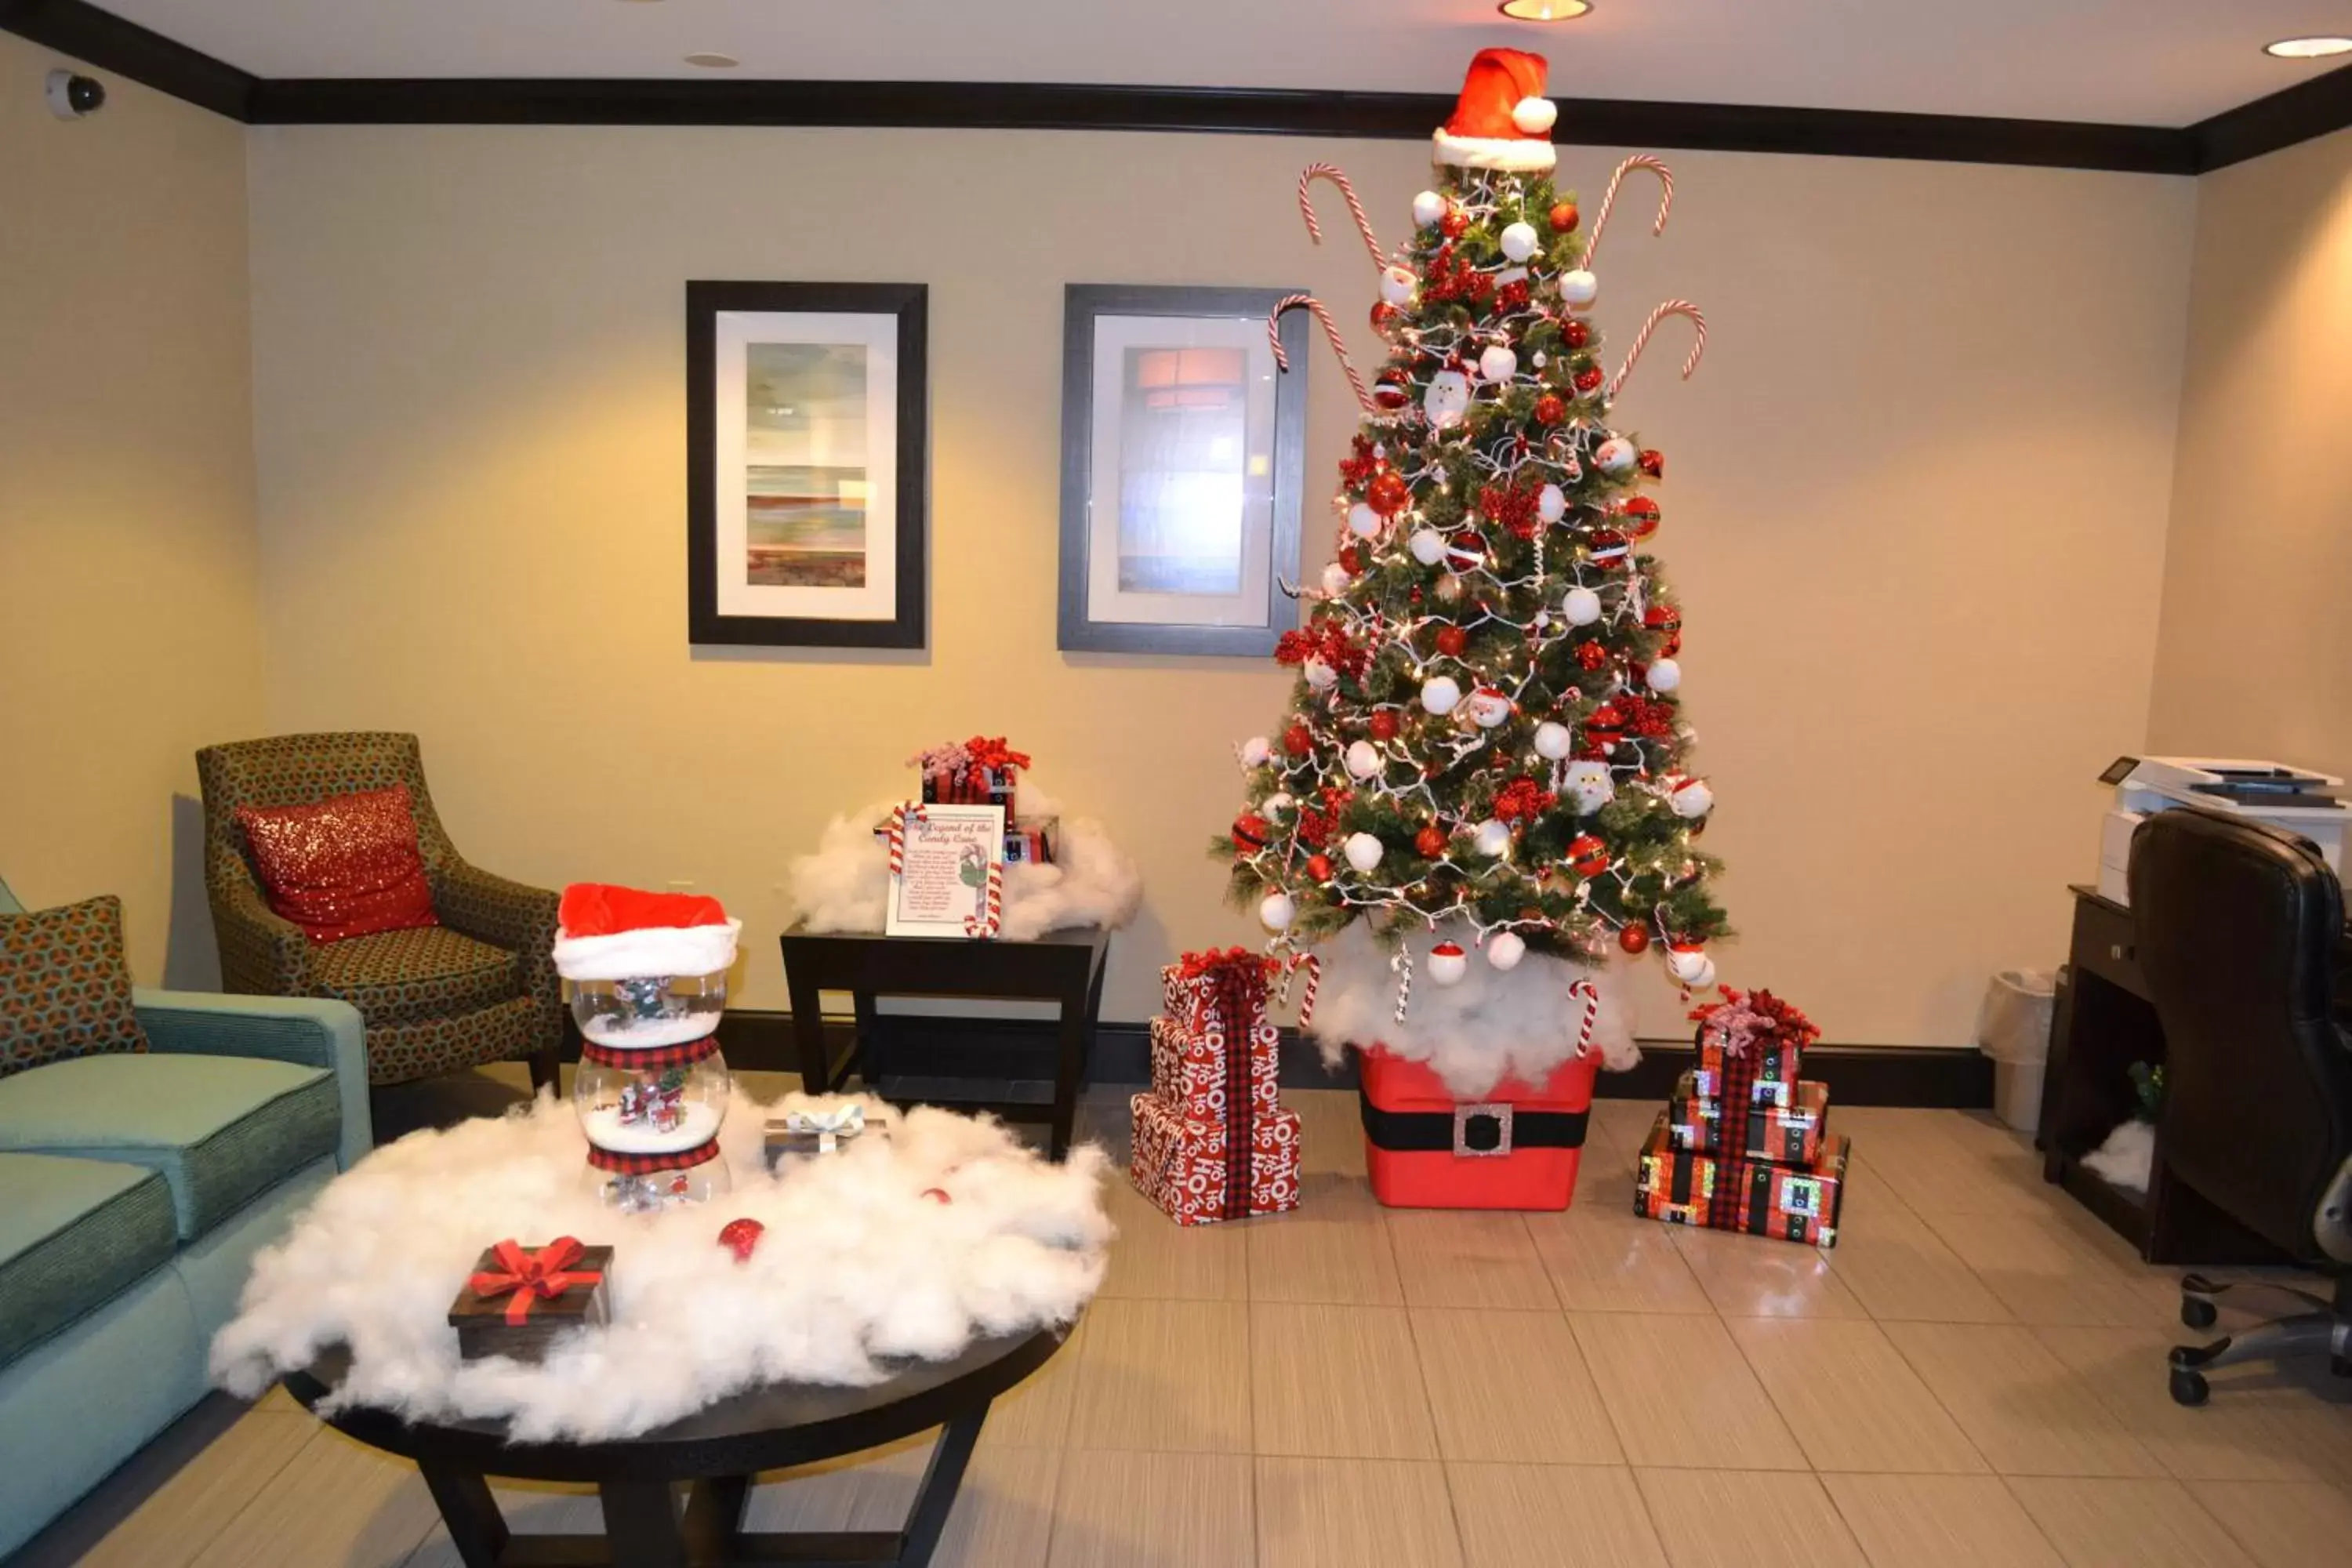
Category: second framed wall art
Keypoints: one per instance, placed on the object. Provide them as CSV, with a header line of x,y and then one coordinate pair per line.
x,y
1183,460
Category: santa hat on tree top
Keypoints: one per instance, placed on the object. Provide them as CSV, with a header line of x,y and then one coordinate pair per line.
x,y
1502,121
604,933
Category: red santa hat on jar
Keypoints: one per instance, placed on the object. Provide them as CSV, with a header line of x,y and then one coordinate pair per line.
x,y
1502,121
604,933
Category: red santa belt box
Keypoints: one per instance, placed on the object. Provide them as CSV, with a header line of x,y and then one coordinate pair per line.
x,y
1785,1135
1196,1173
1517,1148
1193,1072
1776,1073
1793,1203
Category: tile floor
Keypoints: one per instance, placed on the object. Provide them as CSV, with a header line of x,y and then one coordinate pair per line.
x,y
1974,1376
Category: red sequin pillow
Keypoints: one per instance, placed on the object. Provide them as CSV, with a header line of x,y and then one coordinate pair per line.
x,y
346,866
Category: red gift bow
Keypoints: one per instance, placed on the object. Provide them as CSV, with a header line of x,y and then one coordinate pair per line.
x,y
987,753
532,1276
1742,1018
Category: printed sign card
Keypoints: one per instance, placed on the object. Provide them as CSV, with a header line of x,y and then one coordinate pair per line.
x,y
946,871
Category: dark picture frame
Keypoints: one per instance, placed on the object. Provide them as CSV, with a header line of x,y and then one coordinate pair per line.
x,y
853,539
1084,305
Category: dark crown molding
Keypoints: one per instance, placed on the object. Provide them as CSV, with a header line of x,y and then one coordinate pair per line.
x,y
2310,109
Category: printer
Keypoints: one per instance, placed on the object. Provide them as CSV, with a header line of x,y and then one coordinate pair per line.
x,y
2294,799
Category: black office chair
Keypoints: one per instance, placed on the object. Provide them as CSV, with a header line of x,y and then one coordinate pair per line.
x,y
2238,927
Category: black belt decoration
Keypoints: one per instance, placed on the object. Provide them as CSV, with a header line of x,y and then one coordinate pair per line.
x,y
1481,1131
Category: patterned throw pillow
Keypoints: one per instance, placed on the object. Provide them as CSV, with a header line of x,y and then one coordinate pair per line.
x,y
346,866
65,987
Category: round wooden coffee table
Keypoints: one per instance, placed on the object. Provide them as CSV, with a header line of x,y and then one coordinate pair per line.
x,y
718,1451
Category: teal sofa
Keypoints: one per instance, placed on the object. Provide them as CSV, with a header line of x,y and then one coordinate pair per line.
x,y
134,1192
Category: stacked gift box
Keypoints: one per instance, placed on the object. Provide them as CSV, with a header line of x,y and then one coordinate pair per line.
x,y
1212,1141
1745,1145
1028,840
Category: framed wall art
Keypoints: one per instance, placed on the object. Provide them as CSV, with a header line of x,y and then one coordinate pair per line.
x,y
805,412
1184,458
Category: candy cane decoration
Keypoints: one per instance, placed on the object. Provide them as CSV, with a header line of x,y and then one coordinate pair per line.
x,y
1401,965
1331,330
1314,967
1592,995
1355,208
1641,341
1666,200
898,815
991,912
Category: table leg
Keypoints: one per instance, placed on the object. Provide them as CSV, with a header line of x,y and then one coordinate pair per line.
x,y
862,1052
476,1527
1069,1067
641,1523
808,1029
714,1516
935,1496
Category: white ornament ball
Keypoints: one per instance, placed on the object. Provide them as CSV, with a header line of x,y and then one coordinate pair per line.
x,y
1552,503
1276,911
1590,785
1578,287
1439,694
1489,708
1616,455
1447,963
1498,363
1362,521
1364,852
1319,674
1580,607
1336,579
1363,759
1447,399
1398,284
1664,675
1428,546
1534,116
1505,949
1427,208
1692,798
1257,751
1492,838
1553,742
1691,965
1519,241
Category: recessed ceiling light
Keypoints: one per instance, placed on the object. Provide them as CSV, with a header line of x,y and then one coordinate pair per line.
x,y
712,61
1544,10
2308,48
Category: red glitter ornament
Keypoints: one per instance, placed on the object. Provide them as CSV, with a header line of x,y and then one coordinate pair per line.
x,y
1388,494
1652,462
1589,379
740,1236
1430,842
1563,218
1298,740
1635,938
1575,333
1350,560
1590,655
1455,224
1249,832
1588,855
1319,868
1384,725
1382,314
1452,640
1550,409
1642,516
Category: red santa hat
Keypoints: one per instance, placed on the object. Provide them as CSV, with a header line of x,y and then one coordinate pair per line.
x,y
604,932
1502,121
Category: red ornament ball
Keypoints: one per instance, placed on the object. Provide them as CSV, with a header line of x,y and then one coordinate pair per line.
x,y
1249,832
1550,409
1661,619
1588,855
1575,333
1319,868
1452,640
938,1194
1383,314
740,1236
1652,461
1589,379
1641,517
1350,560
1298,741
1393,390
1430,842
1455,224
1388,494
1563,218
1384,725
1635,938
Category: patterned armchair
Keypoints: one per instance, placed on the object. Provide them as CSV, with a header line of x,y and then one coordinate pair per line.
x,y
478,987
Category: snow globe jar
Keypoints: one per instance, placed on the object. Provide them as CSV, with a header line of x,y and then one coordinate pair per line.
x,y
648,978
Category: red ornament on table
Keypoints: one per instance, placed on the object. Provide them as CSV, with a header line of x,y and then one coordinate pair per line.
x,y
1588,855
1319,868
938,1194
1298,741
740,1236
1550,409
1563,218
1452,640
1652,462
1430,842
1384,724
1388,494
1249,832
1635,938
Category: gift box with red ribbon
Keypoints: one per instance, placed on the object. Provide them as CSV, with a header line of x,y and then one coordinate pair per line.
x,y
1785,1135
1211,1139
1199,1173
1792,1203
982,770
1194,1071
518,1299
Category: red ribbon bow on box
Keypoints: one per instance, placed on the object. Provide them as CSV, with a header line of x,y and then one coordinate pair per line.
x,y
991,752
532,1276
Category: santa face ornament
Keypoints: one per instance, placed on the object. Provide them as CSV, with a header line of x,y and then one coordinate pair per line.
x,y
1589,785
1447,399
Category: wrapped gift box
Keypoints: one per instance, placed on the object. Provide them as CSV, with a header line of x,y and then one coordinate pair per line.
x,y
1197,1173
1776,1073
972,787
1198,1001
1195,1072
520,1298
1516,1149
1785,1135
1793,1203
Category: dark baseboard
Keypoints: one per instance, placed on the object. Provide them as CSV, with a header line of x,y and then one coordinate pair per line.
x,y
2309,109
1002,1050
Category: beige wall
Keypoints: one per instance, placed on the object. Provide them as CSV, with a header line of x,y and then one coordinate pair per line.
x,y
2255,658
130,613
1916,508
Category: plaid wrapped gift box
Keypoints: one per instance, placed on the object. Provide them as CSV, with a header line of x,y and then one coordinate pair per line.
x,y
1785,1135
1198,1173
1190,1070
1774,1074
972,787
1793,1203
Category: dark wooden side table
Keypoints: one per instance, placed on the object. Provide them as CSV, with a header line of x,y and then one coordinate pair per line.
x,y
1063,967
718,1451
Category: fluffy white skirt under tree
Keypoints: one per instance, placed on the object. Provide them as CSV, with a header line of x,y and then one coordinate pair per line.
x,y
855,1269
1521,1022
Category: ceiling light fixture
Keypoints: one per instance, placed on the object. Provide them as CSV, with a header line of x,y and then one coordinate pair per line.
x,y
712,61
1544,10
2308,48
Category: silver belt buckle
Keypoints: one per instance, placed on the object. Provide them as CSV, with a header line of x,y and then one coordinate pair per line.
x,y
1500,1113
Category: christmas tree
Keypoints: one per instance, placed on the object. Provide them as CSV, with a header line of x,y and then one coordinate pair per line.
x,y
1485,745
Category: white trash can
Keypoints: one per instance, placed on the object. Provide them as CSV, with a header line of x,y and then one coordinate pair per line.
x,y
2013,1029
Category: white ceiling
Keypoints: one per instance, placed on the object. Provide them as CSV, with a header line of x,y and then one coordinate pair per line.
x,y
2156,62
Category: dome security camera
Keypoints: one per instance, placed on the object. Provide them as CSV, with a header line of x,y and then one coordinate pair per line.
x,y
75,97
